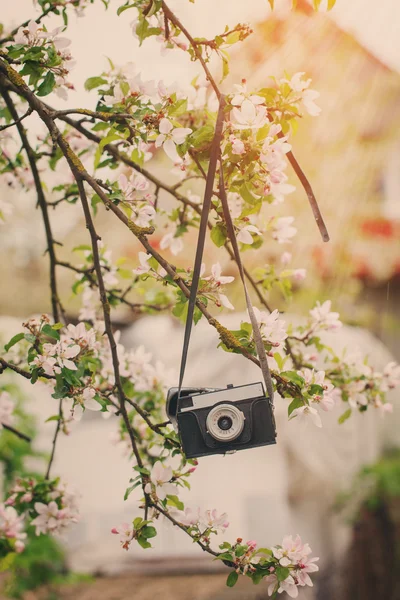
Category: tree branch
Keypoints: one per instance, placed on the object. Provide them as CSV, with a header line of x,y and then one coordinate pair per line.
x,y
41,201
19,434
55,437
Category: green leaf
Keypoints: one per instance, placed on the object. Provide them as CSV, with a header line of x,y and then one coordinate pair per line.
x,y
267,551
125,7
30,338
296,403
143,542
47,84
224,556
174,501
14,340
232,579
179,108
148,532
53,418
50,332
240,550
130,489
293,377
94,201
346,415
218,234
282,573
94,82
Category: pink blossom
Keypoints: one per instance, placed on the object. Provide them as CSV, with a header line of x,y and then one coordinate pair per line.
x,y
237,145
175,244
324,318
160,477
308,412
144,266
170,137
211,520
283,230
242,94
249,116
244,236
126,533
272,328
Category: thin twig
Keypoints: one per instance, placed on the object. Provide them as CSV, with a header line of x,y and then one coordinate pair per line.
x,y
54,443
175,21
28,112
19,434
37,20
41,201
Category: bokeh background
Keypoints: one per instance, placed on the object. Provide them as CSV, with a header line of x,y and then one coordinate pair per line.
x,y
351,154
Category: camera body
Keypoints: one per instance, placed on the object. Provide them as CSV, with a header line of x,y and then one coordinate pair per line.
x,y
220,421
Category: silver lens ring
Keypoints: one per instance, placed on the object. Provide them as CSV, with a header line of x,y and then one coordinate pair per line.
x,y
224,414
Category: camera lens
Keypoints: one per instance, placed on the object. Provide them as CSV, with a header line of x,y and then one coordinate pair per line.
x,y
225,422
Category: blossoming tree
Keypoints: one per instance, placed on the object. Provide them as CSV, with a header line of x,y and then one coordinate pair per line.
x,y
103,157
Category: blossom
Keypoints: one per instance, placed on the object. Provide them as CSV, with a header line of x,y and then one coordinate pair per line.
x,y
242,94
126,533
6,409
47,363
160,477
249,116
175,244
299,274
12,526
283,230
286,258
215,281
237,145
273,152
391,376
188,517
324,318
144,266
47,519
217,277
211,520
170,137
307,96
305,412
85,338
86,401
244,236
276,186
63,354
272,328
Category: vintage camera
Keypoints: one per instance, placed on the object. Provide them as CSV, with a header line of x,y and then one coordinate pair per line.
x,y
220,421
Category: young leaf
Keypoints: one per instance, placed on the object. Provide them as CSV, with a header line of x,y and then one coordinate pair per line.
x,y
346,415
50,332
94,82
47,85
232,579
14,340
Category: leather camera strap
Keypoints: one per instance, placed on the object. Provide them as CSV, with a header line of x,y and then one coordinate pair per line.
x,y
215,157
262,356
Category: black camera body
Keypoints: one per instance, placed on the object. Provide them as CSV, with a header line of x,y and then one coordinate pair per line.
x,y
220,421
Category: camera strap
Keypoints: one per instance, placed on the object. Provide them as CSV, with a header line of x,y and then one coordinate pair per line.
x,y
215,157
